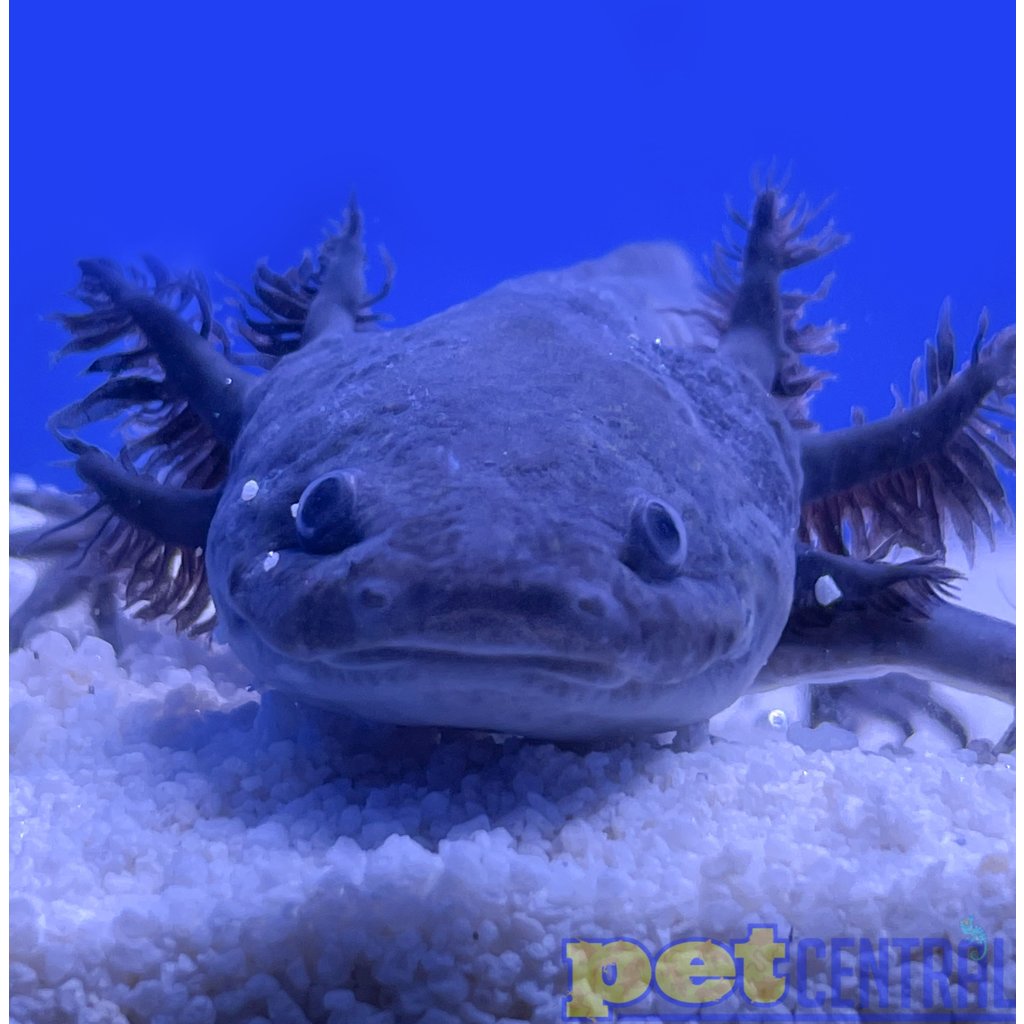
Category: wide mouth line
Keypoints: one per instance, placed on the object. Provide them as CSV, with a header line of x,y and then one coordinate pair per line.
x,y
398,653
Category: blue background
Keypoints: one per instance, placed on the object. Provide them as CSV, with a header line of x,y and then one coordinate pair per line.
x,y
491,139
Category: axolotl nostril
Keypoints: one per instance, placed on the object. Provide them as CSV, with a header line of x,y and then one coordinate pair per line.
x,y
587,503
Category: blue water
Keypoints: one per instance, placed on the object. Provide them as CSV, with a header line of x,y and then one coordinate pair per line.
x,y
488,140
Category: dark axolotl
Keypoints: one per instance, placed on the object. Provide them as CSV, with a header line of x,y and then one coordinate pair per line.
x,y
586,504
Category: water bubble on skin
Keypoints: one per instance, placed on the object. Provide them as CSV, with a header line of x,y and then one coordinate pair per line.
x,y
778,719
249,490
271,560
826,591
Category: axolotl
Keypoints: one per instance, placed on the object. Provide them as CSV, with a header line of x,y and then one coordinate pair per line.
x,y
587,504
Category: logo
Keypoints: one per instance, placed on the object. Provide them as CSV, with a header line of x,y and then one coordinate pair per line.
x,y
898,980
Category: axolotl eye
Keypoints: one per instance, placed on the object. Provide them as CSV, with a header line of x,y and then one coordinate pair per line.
x,y
325,517
655,545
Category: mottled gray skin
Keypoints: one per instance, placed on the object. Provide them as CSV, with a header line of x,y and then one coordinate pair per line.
x,y
497,449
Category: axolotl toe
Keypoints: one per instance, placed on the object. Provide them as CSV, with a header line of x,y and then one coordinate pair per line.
x,y
584,504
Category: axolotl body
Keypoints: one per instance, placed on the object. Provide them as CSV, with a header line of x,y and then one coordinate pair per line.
x,y
585,504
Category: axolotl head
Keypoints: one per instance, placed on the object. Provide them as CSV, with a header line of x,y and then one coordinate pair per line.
x,y
526,514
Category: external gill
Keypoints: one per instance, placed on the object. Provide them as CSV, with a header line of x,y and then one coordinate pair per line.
x,y
179,404
897,481
191,367
63,570
759,324
181,398
327,295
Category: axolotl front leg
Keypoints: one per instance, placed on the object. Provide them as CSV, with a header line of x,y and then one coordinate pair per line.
x,y
866,619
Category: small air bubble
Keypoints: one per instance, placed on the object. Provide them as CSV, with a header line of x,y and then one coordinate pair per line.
x,y
826,591
657,341
294,509
249,490
271,560
778,719
227,380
